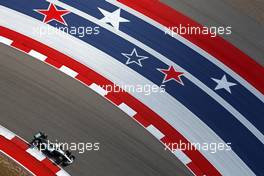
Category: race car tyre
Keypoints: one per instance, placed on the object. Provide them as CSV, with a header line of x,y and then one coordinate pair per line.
x,y
66,163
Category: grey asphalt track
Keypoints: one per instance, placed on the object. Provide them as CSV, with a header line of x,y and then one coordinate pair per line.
x,y
246,17
35,96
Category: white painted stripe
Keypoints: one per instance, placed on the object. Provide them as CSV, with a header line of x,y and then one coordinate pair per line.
x,y
98,89
36,153
182,156
5,40
124,107
62,173
37,55
68,71
164,59
17,162
6,133
196,48
155,132
172,111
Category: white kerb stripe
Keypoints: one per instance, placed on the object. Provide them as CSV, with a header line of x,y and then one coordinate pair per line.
x,y
199,50
167,107
5,40
129,111
182,156
62,173
155,132
167,61
6,133
36,153
98,89
37,55
68,71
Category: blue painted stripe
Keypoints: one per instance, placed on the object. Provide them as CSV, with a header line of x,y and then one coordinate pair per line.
x,y
241,98
209,111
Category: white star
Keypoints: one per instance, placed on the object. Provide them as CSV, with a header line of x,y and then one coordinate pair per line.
x,y
223,84
113,18
134,58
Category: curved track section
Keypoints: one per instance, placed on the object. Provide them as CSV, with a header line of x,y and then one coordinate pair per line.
x,y
245,16
219,58
36,97
30,159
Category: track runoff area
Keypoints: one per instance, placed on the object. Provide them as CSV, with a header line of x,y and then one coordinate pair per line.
x,y
125,147
198,162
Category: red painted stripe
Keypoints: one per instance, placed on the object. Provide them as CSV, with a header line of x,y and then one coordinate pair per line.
x,y
196,170
53,63
20,143
24,146
228,54
141,120
24,158
144,116
172,135
52,166
20,46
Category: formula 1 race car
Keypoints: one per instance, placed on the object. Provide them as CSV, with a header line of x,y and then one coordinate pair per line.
x,y
52,150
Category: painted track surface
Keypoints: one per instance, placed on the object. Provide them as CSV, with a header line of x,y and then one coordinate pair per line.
x,y
68,111
245,16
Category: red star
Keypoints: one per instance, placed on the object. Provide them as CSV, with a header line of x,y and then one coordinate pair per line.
x,y
171,74
52,13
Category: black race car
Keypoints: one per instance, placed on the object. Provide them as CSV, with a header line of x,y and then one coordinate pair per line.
x,y
52,150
